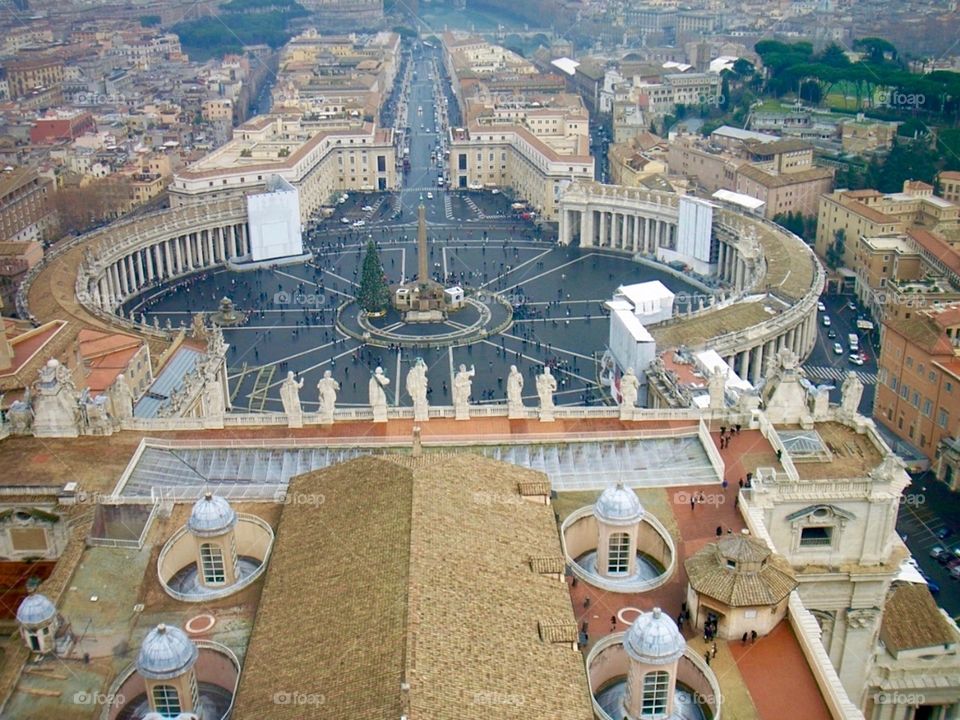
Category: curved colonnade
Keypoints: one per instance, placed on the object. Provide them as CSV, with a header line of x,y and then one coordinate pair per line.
x,y
774,278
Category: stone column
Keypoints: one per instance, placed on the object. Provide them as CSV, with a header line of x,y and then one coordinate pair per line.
x,y
140,272
586,227
745,365
179,255
121,277
209,240
757,365
603,242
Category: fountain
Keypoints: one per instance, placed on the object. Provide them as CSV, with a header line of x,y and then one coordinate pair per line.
x,y
227,315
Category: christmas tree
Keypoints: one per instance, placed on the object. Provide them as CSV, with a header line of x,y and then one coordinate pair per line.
x,y
374,293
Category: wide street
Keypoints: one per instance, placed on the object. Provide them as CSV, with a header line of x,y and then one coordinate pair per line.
x,y
475,239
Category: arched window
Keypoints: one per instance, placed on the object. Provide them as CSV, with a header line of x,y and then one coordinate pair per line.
x,y
166,700
618,557
212,561
656,685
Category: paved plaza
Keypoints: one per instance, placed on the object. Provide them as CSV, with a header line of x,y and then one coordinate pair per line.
x,y
557,294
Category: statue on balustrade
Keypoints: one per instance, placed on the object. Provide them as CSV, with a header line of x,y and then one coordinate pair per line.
x,y
327,390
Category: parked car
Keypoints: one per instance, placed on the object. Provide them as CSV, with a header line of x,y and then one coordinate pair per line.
x,y
939,552
345,220
955,572
821,307
933,586
825,320
367,208
855,359
832,334
944,532
952,563
837,349
852,305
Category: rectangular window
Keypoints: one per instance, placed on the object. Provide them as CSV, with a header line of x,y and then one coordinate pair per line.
x,y
916,399
618,559
212,560
904,391
943,417
927,407
816,536
656,686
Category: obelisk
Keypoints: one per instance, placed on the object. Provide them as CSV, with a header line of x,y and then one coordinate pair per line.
x,y
423,274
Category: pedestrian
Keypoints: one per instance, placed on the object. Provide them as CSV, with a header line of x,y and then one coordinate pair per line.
x,y
693,503
738,428
680,621
724,484
723,429
753,636
613,620
706,657
714,650
586,602
736,502
719,531
741,483
743,639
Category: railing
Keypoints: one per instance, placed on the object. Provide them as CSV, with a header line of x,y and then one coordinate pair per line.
x,y
719,466
773,437
131,544
215,594
613,639
118,682
625,585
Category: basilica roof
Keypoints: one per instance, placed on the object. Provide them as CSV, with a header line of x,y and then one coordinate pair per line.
x,y
411,590
740,571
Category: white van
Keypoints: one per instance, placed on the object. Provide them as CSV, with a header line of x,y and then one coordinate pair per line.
x,y
854,342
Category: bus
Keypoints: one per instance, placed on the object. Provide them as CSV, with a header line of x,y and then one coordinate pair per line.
x,y
854,342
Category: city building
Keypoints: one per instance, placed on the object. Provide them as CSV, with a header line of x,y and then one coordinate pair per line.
x,y
25,206
318,159
918,383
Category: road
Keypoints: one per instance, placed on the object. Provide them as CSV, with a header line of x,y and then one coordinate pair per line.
x,y
824,366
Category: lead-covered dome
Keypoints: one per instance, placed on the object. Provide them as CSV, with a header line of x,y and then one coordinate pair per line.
x,y
619,505
211,515
654,639
166,653
36,610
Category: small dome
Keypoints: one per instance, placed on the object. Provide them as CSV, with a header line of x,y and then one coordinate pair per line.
x,y
166,653
654,639
619,505
211,515
36,610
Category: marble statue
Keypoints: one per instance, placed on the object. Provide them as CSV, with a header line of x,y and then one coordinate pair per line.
x,y
417,390
56,412
717,387
462,385
156,323
850,393
95,415
378,398
290,397
515,393
629,389
327,389
121,399
198,327
214,403
546,386
20,416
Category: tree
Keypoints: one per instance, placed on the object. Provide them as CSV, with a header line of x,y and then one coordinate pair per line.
x,y
374,293
837,249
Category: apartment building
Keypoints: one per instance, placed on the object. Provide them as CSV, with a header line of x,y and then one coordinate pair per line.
x,y
25,76
950,185
918,385
870,213
537,168
317,158
25,211
16,258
